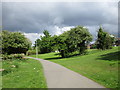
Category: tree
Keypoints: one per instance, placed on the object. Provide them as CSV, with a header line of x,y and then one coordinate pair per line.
x,y
78,38
62,44
54,44
105,40
14,42
44,43
73,40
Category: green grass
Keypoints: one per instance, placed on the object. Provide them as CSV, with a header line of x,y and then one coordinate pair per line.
x,y
100,66
0,74
23,74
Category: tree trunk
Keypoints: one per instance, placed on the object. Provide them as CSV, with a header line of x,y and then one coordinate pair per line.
x,y
82,47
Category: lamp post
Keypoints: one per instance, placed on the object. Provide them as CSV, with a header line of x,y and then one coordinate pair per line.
x,y
36,50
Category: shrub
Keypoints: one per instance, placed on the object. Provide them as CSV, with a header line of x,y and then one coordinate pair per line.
x,y
16,56
4,56
31,52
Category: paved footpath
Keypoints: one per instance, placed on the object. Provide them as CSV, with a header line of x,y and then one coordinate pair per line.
x,y
58,76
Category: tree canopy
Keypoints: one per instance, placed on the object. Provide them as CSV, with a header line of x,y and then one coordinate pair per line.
x,y
105,40
44,43
74,40
78,38
14,42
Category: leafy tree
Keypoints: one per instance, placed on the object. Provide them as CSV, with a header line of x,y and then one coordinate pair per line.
x,y
78,38
70,41
44,43
62,44
14,42
105,40
54,44
73,40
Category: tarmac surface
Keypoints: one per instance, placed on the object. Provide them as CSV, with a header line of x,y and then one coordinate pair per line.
x,y
58,76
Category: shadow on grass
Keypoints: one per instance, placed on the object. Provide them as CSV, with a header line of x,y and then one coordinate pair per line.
x,y
54,58
5,72
110,56
59,57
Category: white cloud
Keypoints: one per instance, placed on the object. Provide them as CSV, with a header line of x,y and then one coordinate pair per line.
x,y
93,30
60,30
33,36
56,30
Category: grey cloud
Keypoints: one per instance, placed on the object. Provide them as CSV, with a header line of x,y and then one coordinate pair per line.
x,y
35,17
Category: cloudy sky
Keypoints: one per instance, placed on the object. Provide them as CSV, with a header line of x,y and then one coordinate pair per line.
x,y
32,18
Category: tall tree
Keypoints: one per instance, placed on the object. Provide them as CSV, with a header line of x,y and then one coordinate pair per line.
x,y
105,40
44,43
62,44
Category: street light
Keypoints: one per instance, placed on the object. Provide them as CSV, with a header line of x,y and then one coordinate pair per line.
x,y
36,50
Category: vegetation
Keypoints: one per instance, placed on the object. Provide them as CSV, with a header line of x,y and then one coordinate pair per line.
x,y
12,56
117,41
74,40
100,66
78,38
22,73
44,43
105,40
18,72
14,42
31,52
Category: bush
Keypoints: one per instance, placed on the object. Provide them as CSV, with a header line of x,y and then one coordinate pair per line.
x,y
16,56
31,52
4,56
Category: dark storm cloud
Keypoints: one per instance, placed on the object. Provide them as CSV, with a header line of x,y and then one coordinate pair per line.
x,y
35,17
0,15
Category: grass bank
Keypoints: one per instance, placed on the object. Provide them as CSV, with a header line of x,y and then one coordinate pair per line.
x,y
26,73
100,66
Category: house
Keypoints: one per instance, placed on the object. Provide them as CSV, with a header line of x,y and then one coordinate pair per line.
x,y
117,42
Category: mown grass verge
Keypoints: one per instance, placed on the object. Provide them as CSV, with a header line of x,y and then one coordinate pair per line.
x,y
100,66
22,73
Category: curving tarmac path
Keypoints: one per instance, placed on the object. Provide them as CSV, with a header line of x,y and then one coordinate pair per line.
x,y
58,76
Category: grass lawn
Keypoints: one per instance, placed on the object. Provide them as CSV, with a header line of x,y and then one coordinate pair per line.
x,y
23,74
0,75
100,66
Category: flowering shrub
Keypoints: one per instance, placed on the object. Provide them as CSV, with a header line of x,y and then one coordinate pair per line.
x,y
12,56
